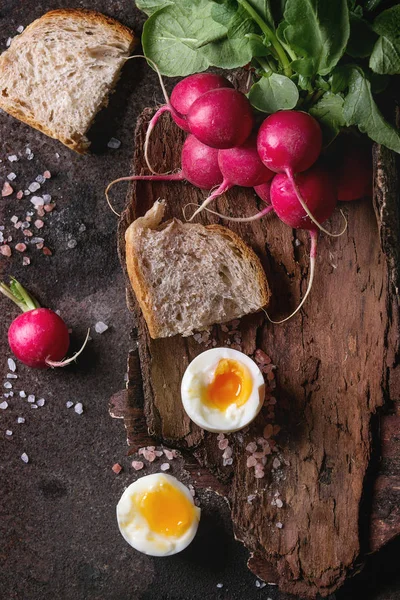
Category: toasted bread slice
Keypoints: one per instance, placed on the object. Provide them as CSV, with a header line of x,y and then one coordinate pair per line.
x,y
58,73
187,276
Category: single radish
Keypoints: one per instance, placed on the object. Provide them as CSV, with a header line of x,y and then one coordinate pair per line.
x,y
183,95
199,166
352,166
221,118
290,142
263,191
39,338
240,166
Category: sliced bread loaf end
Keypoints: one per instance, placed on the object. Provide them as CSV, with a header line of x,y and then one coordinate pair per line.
x,y
187,276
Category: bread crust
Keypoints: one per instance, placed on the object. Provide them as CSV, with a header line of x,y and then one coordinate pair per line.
x,y
82,144
138,281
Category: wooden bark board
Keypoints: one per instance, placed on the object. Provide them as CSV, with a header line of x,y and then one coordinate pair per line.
x,y
335,362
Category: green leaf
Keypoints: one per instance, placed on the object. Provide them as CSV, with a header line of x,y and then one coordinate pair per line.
x,y
318,31
360,109
173,37
362,37
151,6
329,113
385,57
340,78
273,93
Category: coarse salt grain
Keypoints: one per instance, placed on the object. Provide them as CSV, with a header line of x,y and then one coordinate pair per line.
x,y
137,465
22,394
250,498
31,398
259,474
41,402
12,376
279,525
268,431
114,143
20,420
20,29
227,452
7,385
7,189
24,457
13,158
38,224
11,176
11,365
21,247
165,467
276,463
78,408
5,250
9,432
46,198
117,468
69,404
168,454
26,261
8,42
252,447
47,175
20,195
37,200
47,251
220,585
34,405
251,462
40,179
279,503
72,243
4,405
222,444
34,186
100,327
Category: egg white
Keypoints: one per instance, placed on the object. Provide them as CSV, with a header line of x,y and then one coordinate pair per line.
x,y
200,373
135,528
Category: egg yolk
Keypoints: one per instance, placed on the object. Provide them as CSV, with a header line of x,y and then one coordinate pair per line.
x,y
166,509
232,384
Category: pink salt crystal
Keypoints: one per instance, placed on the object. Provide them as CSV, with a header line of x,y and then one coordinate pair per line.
x,y
27,233
259,474
151,448
149,455
26,261
222,444
276,463
272,400
40,211
38,224
271,415
267,368
49,207
141,450
5,250
268,431
224,328
7,189
165,467
20,195
220,436
47,175
264,460
227,453
251,462
158,453
117,468
252,447
261,358
168,454
39,245
47,251
259,454
20,247
137,464
235,323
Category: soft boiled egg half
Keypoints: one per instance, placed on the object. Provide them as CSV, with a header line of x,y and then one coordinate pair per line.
x,y
222,390
156,515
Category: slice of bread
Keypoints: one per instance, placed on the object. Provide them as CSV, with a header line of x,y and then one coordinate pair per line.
x,y
187,277
58,73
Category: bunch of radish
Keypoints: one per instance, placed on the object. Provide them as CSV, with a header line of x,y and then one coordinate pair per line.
x,y
280,160
38,337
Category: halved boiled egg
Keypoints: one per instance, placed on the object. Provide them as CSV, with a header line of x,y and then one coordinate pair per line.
x,y
222,390
156,515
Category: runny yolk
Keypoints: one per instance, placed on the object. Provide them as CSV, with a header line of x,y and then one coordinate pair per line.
x,y
231,384
166,509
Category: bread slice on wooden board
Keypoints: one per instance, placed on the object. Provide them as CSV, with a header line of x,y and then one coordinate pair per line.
x,y
188,276
58,73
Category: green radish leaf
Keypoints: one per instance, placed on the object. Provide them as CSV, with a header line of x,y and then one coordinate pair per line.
x,y
360,109
175,37
362,37
329,113
273,93
318,31
385,57
340,78
151,6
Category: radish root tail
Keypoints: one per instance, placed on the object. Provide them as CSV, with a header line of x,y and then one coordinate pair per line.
x,y
224,187
313,254
265,211
67,361
153,122
300,198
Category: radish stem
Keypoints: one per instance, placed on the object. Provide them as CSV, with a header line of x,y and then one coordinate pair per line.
x,y
313,254
224,187
18,294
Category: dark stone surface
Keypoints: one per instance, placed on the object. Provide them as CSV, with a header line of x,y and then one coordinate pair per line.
x,y
58,532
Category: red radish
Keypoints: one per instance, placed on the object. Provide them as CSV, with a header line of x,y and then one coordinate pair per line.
x,y
263,191
39,337
189,89
221,118
353,170
183,95
199,167
240,166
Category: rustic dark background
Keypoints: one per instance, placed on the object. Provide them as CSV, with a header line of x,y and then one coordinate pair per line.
x,y
58,533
